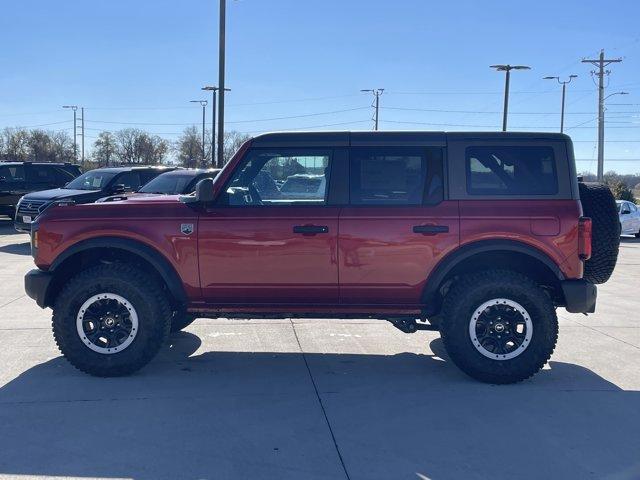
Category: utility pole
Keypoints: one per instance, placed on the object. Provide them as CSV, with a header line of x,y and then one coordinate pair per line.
x,y
221,67
601,63
564,92
507,69
203,104
82,126
376,104
75,136
214,91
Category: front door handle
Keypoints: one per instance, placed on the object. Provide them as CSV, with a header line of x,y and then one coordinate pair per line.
x,y
310,229
430,229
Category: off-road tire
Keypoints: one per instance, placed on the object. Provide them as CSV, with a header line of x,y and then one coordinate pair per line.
x,y
471,291
599,204
143,292
181,320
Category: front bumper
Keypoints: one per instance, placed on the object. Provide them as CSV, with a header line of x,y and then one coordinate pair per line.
x,y
21,226
36,284
580,296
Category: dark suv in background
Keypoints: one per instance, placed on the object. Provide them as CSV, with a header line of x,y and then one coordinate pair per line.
x,y
176,182
86,188
20,178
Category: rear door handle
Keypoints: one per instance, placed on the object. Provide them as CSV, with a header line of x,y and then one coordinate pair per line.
x,y
310,229
430,229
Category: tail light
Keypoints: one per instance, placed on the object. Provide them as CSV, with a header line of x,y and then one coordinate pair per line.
x,y
584,238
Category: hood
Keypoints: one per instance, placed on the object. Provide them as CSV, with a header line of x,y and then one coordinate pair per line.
x,y
121,211
60,193
147,198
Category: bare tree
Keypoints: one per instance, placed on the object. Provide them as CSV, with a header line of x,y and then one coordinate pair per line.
x,y
188,148
62,147
105,149
35,145
15,144
232,142
137,146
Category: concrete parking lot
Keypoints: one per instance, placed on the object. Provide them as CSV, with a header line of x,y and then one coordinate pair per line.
x,y
314,399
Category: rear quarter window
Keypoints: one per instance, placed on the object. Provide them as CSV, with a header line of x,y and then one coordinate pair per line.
x,y
511,170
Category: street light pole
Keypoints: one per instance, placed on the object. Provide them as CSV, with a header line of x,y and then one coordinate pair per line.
x,y
507,69
600,175
75,135
203,104
221,67
376,103
564,93
214,91
83,135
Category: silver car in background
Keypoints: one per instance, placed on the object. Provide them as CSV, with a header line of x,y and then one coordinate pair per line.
x,y
629,215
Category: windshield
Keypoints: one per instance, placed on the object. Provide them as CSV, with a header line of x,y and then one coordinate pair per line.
x,y
168,184
94,180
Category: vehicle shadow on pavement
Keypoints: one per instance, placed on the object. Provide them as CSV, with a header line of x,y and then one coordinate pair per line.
x,y
629,240
16,248
235,415
6,226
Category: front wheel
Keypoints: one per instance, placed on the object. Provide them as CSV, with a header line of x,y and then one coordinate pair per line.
x,y
498,326
111,320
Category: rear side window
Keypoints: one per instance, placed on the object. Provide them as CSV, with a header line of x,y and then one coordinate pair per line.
x,y
393,176
41,174
11,173
511,170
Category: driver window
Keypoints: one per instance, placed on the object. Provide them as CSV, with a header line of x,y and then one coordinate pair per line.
x,y
281,178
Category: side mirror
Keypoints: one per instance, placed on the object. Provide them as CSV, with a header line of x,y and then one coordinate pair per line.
x,y
204,193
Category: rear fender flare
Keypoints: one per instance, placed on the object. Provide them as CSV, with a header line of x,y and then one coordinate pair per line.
x,y
455,258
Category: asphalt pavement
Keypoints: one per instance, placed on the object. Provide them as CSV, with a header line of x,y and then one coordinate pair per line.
x,y
319,399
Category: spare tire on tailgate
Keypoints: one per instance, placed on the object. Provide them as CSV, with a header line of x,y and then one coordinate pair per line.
x,y
599,205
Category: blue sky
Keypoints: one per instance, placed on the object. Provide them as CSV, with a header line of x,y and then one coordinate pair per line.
x,y
139,62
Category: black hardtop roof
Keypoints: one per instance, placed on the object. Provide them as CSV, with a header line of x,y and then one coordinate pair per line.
x,y
407,138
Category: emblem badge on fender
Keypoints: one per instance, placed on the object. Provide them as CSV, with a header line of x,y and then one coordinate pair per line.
x,y
186,228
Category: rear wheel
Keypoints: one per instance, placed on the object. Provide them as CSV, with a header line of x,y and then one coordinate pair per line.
x,y
111,320
498,326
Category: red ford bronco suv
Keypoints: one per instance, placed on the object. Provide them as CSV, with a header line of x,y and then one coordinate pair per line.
x,y
480,236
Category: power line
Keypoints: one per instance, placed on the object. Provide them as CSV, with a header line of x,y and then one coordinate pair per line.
x,y
438,110
288,117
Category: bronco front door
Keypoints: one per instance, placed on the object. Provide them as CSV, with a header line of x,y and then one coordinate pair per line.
x,y
271,237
